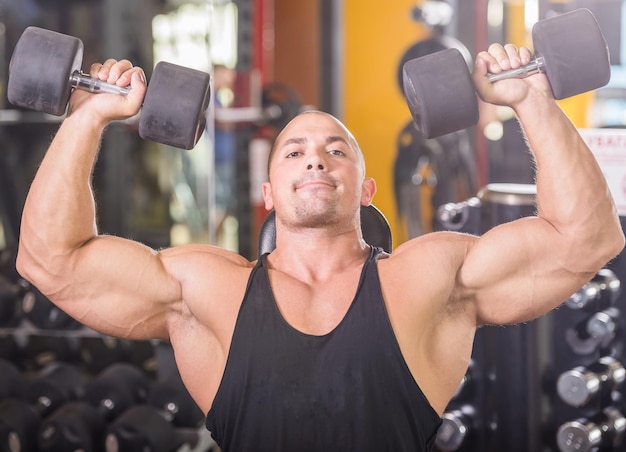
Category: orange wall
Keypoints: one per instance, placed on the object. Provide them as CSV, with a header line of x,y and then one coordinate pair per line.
x,y
376,36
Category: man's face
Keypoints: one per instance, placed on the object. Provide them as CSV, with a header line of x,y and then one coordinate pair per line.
x,y
316,172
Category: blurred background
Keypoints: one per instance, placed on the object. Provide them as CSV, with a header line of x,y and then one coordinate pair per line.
x,y
269,60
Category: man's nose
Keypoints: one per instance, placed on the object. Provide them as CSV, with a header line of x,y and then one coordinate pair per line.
x,y
319,166
315,162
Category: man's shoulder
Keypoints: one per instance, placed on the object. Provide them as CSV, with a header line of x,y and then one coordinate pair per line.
x,y
206,253
435,244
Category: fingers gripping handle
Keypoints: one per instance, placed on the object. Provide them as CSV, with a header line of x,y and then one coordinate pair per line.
x,y
535,66
82,81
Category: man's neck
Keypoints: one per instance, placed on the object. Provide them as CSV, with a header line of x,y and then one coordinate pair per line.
x,y
317,254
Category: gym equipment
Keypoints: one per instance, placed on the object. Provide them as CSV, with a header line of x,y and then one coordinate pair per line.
x,y
12,383
492,205
80,424
20,418
40,350
19,424
578,386
171,397
436,43
55,385
279,104
569,48
10,293
456,426
45,68
21,300
9,348
99,352
76,426
594,332
169,420
374,225
116,389
143,354
44,314
600,293
604,431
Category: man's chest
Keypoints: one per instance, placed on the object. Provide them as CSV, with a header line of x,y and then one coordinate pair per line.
x,y
314,307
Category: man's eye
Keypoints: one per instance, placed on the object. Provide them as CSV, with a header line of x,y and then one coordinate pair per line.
x,y
337,152
293,154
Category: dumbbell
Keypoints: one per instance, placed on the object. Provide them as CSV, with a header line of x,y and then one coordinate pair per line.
x,y
116,389
56,384
99,352
75,426
569,48
596,331
168,420
599,293
43,314
12,383
19,423
604,431
579,386
45,68
80,424
38,351
21,300
20,418
457,426
10,293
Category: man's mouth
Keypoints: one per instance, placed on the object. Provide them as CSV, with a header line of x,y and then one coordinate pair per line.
x,y
316,181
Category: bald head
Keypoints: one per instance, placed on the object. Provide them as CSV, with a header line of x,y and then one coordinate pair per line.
x,y
310,117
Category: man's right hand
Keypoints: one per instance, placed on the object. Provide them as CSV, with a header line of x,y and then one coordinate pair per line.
x,y
103,108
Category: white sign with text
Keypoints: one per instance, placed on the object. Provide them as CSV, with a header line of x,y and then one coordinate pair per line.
x,y
609,148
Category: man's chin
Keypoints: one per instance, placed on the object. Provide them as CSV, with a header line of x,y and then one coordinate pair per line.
x,y
316,215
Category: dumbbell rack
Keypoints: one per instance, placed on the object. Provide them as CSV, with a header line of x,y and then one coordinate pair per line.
x,y
531,381
33,348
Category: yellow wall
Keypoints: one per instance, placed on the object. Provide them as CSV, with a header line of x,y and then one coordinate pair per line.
x,y
376,36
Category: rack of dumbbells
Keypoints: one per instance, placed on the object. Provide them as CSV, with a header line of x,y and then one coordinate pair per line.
x,y
65,387
553,384
588,366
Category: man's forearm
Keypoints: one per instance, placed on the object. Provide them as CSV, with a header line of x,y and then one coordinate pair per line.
x,y
571,189
59,214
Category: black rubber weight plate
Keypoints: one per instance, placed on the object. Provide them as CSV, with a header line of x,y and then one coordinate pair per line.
x,y
575,53
174,110
40,69
440,93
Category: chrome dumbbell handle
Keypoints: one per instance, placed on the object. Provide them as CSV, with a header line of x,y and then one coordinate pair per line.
x,y
535,66
80,80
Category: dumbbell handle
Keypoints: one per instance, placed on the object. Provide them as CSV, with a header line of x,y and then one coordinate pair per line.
x,y
80,80
535,66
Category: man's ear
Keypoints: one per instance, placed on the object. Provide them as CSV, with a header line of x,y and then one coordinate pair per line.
x,y
267,196
368,191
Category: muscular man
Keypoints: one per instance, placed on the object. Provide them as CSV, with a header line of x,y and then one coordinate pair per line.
x,y
324,344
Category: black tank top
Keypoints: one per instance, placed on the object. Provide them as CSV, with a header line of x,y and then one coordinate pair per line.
x,y
348,390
